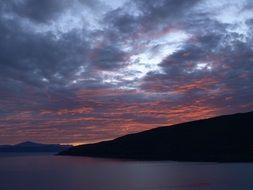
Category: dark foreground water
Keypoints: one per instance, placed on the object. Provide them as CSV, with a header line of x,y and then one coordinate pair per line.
x,y
48,172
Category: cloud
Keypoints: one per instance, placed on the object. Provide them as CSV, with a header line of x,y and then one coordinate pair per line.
x,y
84,71
41,12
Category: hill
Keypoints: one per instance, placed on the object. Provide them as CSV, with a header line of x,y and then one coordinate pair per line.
x,y
224,138
33,147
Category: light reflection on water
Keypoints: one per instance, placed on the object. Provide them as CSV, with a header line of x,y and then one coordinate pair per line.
x,y
49,172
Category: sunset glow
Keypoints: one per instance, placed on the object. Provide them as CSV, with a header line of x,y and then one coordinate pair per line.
x,y
89,71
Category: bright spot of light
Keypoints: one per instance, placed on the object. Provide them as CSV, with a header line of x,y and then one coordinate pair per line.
x,y
203,66
45,80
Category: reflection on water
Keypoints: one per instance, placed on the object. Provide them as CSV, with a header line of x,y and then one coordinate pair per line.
x,y
48,172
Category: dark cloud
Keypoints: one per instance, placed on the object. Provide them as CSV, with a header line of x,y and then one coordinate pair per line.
x,y
224,79
165,9
108,57
148,16
82,71
30,57
41,11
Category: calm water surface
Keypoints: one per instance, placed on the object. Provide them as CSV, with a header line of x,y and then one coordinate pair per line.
x,y
48,172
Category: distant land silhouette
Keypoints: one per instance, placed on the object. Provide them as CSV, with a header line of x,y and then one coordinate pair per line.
x,y
226,138
33,147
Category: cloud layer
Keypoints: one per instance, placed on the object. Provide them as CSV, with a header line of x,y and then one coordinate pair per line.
x,y
83,70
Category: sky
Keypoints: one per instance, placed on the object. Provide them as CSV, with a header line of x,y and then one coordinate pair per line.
x,y
82,71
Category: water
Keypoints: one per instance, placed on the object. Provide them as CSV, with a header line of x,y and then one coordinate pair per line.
x,y
48,172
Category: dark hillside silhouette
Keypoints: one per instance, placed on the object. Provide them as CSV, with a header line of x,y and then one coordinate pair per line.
x,y
224,138
33,147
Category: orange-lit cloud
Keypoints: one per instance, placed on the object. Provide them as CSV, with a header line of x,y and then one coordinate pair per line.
x,y
120,70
